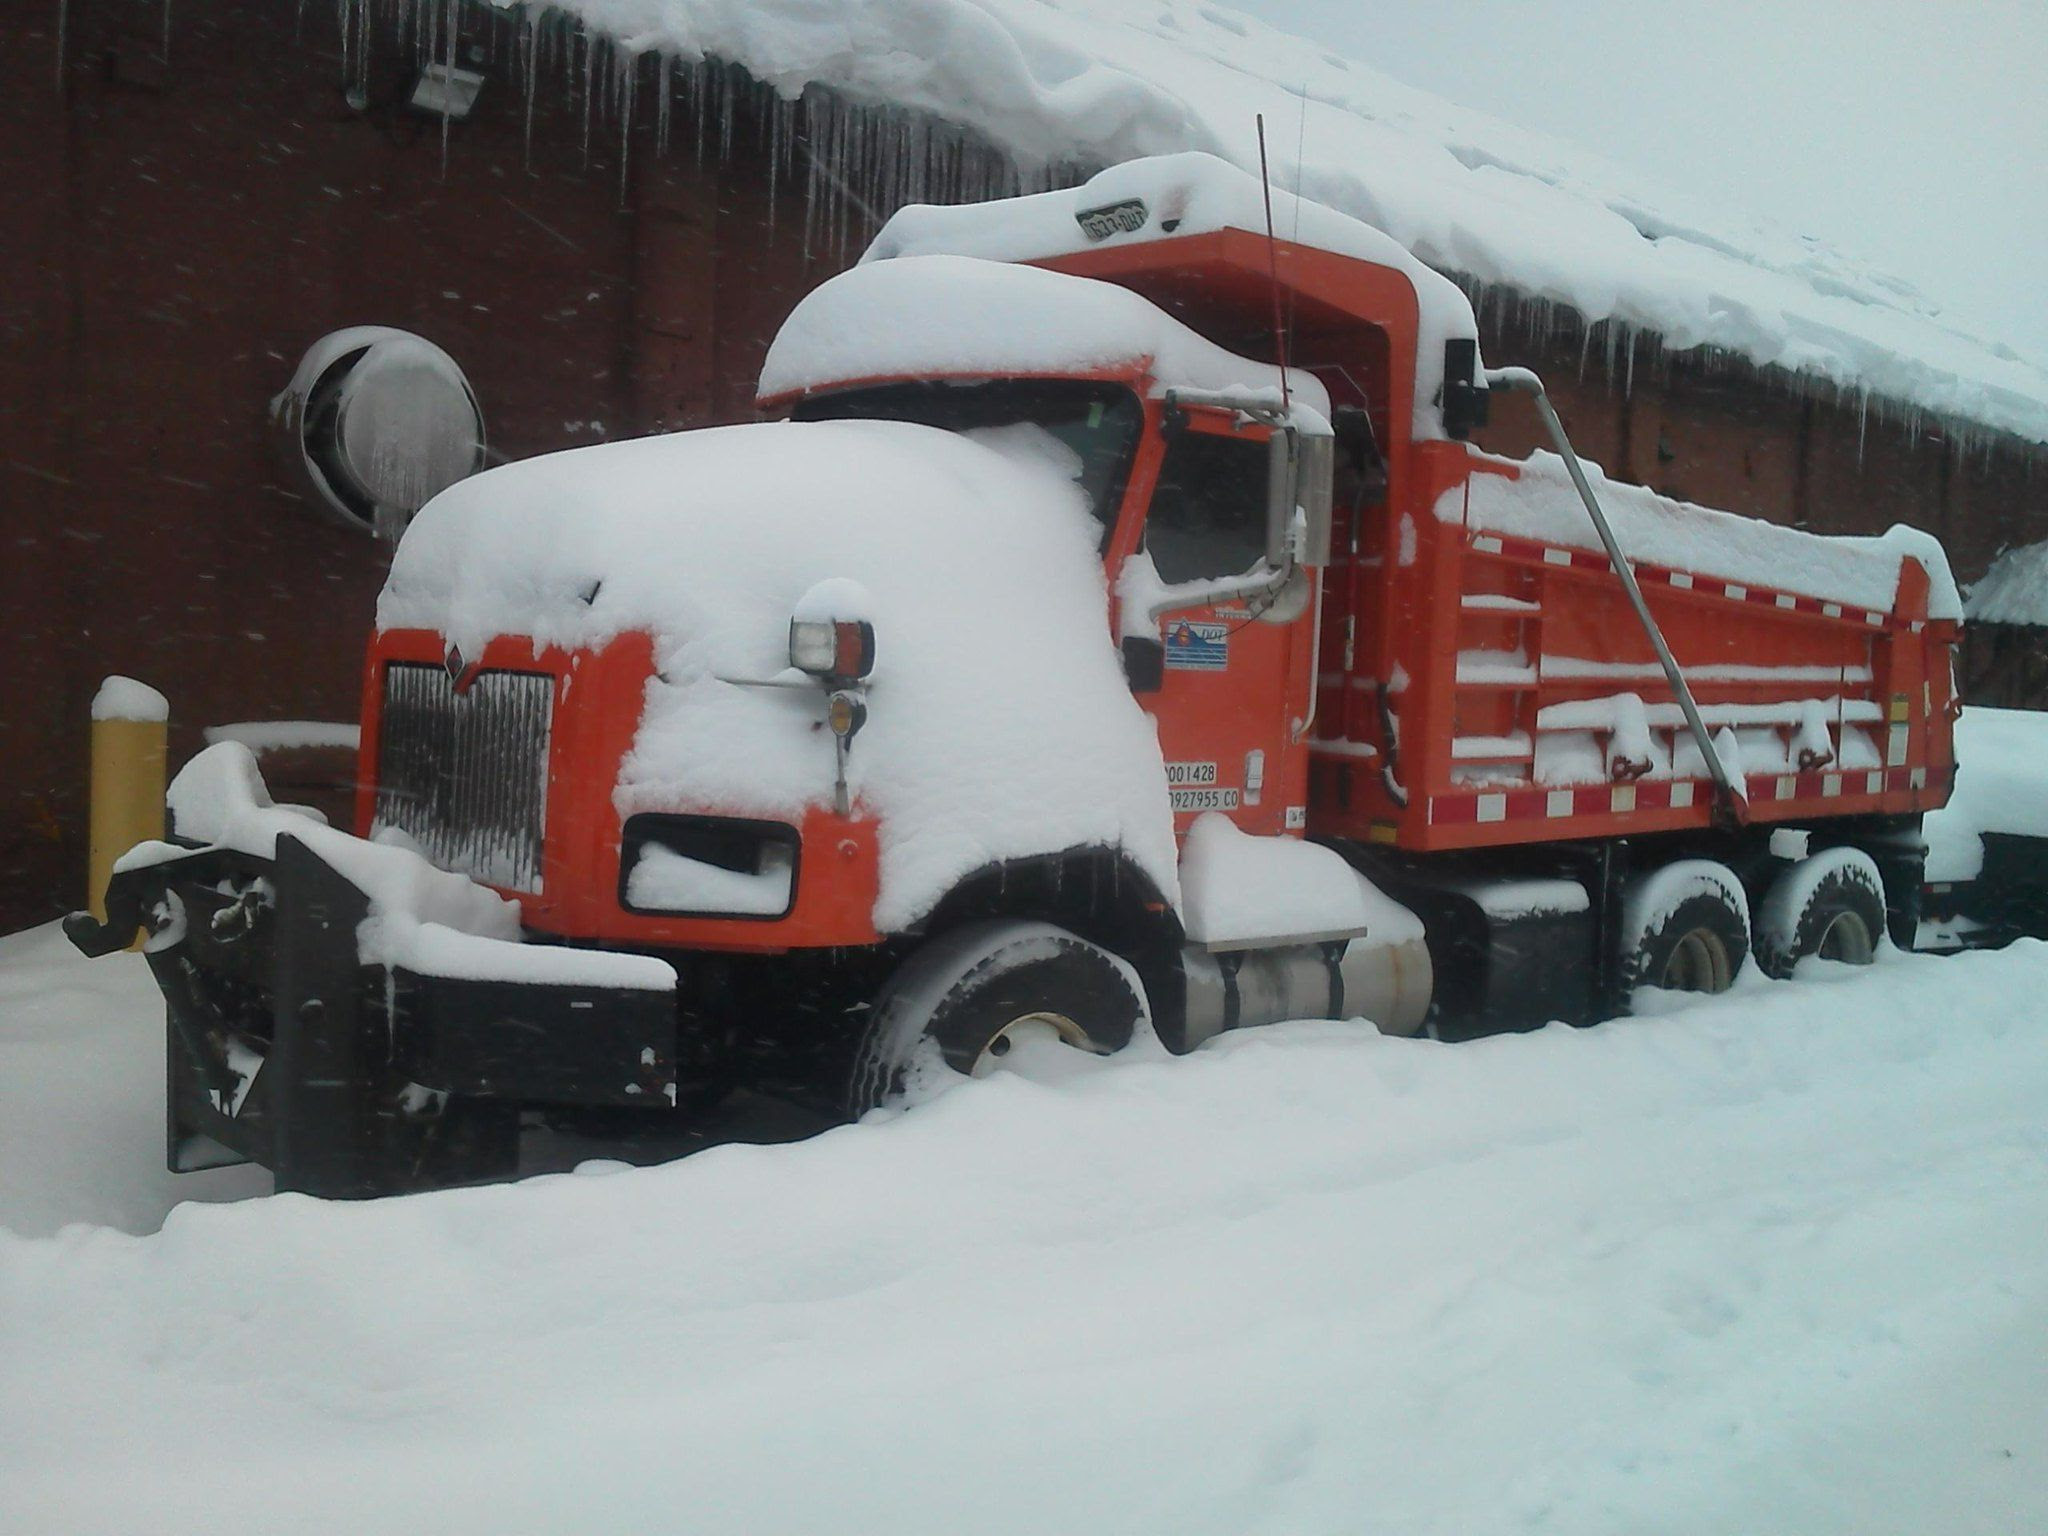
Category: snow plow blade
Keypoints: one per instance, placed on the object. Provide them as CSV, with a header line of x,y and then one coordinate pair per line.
x,y
349,1080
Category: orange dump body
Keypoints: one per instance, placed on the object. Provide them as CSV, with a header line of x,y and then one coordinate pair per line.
x,y
1484,689
1477,689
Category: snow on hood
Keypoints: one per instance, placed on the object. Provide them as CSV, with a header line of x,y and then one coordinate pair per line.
x,y
952,316
1099,82
1000,722
1853,571
1188,194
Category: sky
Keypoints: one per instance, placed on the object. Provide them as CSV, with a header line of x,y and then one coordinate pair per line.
x,y
1913,133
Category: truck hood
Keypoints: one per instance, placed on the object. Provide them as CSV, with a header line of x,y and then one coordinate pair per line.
x,y
1000,724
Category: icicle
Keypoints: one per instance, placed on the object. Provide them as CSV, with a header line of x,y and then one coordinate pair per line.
x,y
448,88
774,126
726,106
664,84
589,92
533,44
701,87
167,31
629,83
1862,422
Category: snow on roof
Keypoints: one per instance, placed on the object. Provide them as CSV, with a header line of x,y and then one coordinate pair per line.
x,y
954,316
1000,723
1187,194
2013,591
1098,82
1537,501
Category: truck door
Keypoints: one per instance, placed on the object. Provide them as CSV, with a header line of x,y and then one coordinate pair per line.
x,y
1234,694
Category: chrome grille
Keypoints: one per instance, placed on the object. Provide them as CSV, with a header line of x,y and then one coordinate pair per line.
x,y
465,775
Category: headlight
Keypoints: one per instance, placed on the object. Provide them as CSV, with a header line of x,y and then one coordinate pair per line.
x,y
840,650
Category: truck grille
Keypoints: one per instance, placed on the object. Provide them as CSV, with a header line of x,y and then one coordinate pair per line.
x,y
465,776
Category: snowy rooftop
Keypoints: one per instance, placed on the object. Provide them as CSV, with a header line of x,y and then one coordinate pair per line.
x,y
1098,82
2014,590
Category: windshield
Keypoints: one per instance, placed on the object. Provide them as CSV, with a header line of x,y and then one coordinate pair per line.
x,y
1088,429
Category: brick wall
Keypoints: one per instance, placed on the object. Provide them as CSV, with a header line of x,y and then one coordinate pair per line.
x,y
181,228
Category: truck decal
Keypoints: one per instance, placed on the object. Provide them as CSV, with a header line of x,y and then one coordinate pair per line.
x,y
1192,647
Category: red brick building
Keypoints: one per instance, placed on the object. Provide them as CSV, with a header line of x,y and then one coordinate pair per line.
x,y
195,200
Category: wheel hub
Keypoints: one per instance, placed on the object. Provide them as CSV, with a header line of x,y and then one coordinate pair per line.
x,y
1698,963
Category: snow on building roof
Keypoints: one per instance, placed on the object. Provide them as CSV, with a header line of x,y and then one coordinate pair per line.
x,y
2013,591
1098,82
954,316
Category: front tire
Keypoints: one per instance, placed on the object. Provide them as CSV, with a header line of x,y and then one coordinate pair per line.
x,y
961,1001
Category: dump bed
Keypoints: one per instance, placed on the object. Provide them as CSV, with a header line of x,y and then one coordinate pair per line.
x,y
1485,681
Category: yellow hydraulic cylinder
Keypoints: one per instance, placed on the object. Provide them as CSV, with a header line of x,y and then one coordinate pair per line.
x,y
128,725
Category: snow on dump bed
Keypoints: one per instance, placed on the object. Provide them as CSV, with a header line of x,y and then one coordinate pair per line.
x,y
1000,724
1098,82
1183,195
952,317
1541,504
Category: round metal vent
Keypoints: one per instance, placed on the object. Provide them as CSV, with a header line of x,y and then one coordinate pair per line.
x,y
380,421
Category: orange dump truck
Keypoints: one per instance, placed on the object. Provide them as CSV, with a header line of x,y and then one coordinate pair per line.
x,y
1116,632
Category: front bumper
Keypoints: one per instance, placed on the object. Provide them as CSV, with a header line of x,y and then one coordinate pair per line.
x,y
346,1079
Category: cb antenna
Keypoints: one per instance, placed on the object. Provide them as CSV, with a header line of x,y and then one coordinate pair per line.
x,y
1273,267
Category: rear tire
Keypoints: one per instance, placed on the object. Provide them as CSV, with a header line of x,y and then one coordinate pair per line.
x,y
957,1004
1831,905
1685,928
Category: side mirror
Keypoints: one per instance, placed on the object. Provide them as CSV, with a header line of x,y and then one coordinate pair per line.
x,y
1299,475
1144,663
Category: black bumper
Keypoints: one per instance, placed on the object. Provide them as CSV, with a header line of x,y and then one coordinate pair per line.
x,y
347,1079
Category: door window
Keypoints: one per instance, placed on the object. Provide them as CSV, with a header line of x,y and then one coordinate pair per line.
x,y
1208,514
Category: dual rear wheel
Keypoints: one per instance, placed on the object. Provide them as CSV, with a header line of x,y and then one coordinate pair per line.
x,y
1687,927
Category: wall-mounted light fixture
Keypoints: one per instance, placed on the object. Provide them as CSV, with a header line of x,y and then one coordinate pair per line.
x,y
376,422
443,90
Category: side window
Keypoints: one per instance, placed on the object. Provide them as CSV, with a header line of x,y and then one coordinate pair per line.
x,y
1208,514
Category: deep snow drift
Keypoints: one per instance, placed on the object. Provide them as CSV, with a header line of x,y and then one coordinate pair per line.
x,y
1777,1262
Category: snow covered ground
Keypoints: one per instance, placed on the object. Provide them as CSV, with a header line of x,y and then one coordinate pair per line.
x,y
1777,1262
